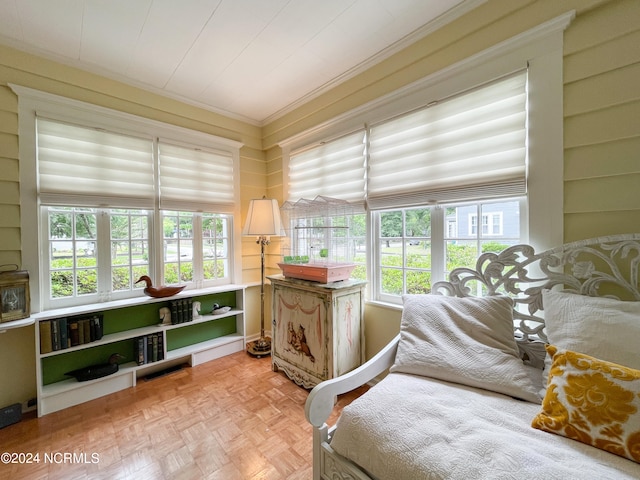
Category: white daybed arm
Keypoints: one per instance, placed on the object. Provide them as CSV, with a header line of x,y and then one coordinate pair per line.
x,y
320,401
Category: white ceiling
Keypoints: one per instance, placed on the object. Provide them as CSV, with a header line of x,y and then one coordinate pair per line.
x,y
250,59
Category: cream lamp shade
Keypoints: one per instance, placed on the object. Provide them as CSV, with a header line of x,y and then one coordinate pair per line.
x,y
263,218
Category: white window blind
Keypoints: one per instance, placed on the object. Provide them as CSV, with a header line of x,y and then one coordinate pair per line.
x,y
195,180
334,169
468,147
79,166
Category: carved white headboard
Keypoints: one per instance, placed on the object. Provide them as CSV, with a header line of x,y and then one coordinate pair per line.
x,y
604,266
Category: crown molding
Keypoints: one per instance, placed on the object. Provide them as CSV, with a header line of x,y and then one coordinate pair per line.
x,y
418,34
536,38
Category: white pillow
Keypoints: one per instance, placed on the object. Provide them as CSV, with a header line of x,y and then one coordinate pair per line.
x,y
601,327
465,340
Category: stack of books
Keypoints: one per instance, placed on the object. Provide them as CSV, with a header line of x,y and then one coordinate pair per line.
x,y
181,310
61,333
149,348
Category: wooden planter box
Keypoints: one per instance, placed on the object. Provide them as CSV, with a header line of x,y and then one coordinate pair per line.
x,y
320,272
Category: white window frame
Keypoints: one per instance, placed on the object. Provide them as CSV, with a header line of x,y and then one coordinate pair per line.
x,y
104,267
438,239
32,103
491,217
197,257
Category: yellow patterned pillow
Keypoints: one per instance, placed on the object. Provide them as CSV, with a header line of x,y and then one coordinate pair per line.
x,y
592,401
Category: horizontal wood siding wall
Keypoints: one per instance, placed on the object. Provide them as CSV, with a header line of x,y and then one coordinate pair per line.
x,y
9,179
602,122
17,354
253,177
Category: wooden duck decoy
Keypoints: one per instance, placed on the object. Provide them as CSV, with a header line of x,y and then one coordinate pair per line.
x,y
158,292
97,371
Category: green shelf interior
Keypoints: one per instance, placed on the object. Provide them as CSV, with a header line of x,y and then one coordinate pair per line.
x,y
200,332
54,367
138,316
127,318
223,299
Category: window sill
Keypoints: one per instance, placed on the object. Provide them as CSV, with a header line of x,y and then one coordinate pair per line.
x,y
23,322
128,302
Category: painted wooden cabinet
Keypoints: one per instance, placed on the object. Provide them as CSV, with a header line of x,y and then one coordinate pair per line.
x,y
317,330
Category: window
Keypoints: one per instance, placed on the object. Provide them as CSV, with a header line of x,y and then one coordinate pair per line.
x,y
404,251
194,241
75,262
333,169
119,197
216,241
470,147
419,246
411,171
96,253
491,223
72,251
502,226
129,247
443,183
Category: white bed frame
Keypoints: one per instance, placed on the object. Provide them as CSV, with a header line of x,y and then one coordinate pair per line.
x,y
604,266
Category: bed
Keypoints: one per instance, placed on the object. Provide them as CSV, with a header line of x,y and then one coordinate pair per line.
x,y
526,366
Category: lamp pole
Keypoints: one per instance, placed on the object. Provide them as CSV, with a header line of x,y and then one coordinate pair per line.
x,y
263,220
262,346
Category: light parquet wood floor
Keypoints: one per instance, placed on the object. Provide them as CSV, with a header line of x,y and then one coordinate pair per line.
x,y
229,419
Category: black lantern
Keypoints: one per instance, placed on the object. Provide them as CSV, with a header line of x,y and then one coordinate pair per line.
x,y
14,294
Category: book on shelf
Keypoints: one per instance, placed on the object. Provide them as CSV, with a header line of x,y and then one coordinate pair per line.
x,y
46,345
86,327
181,310
160,346
155,348
55,335
141,351
81,337
63,328
74,333
149,348
61,333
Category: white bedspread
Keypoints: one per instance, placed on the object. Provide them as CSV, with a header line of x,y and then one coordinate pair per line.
x,y
411,427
